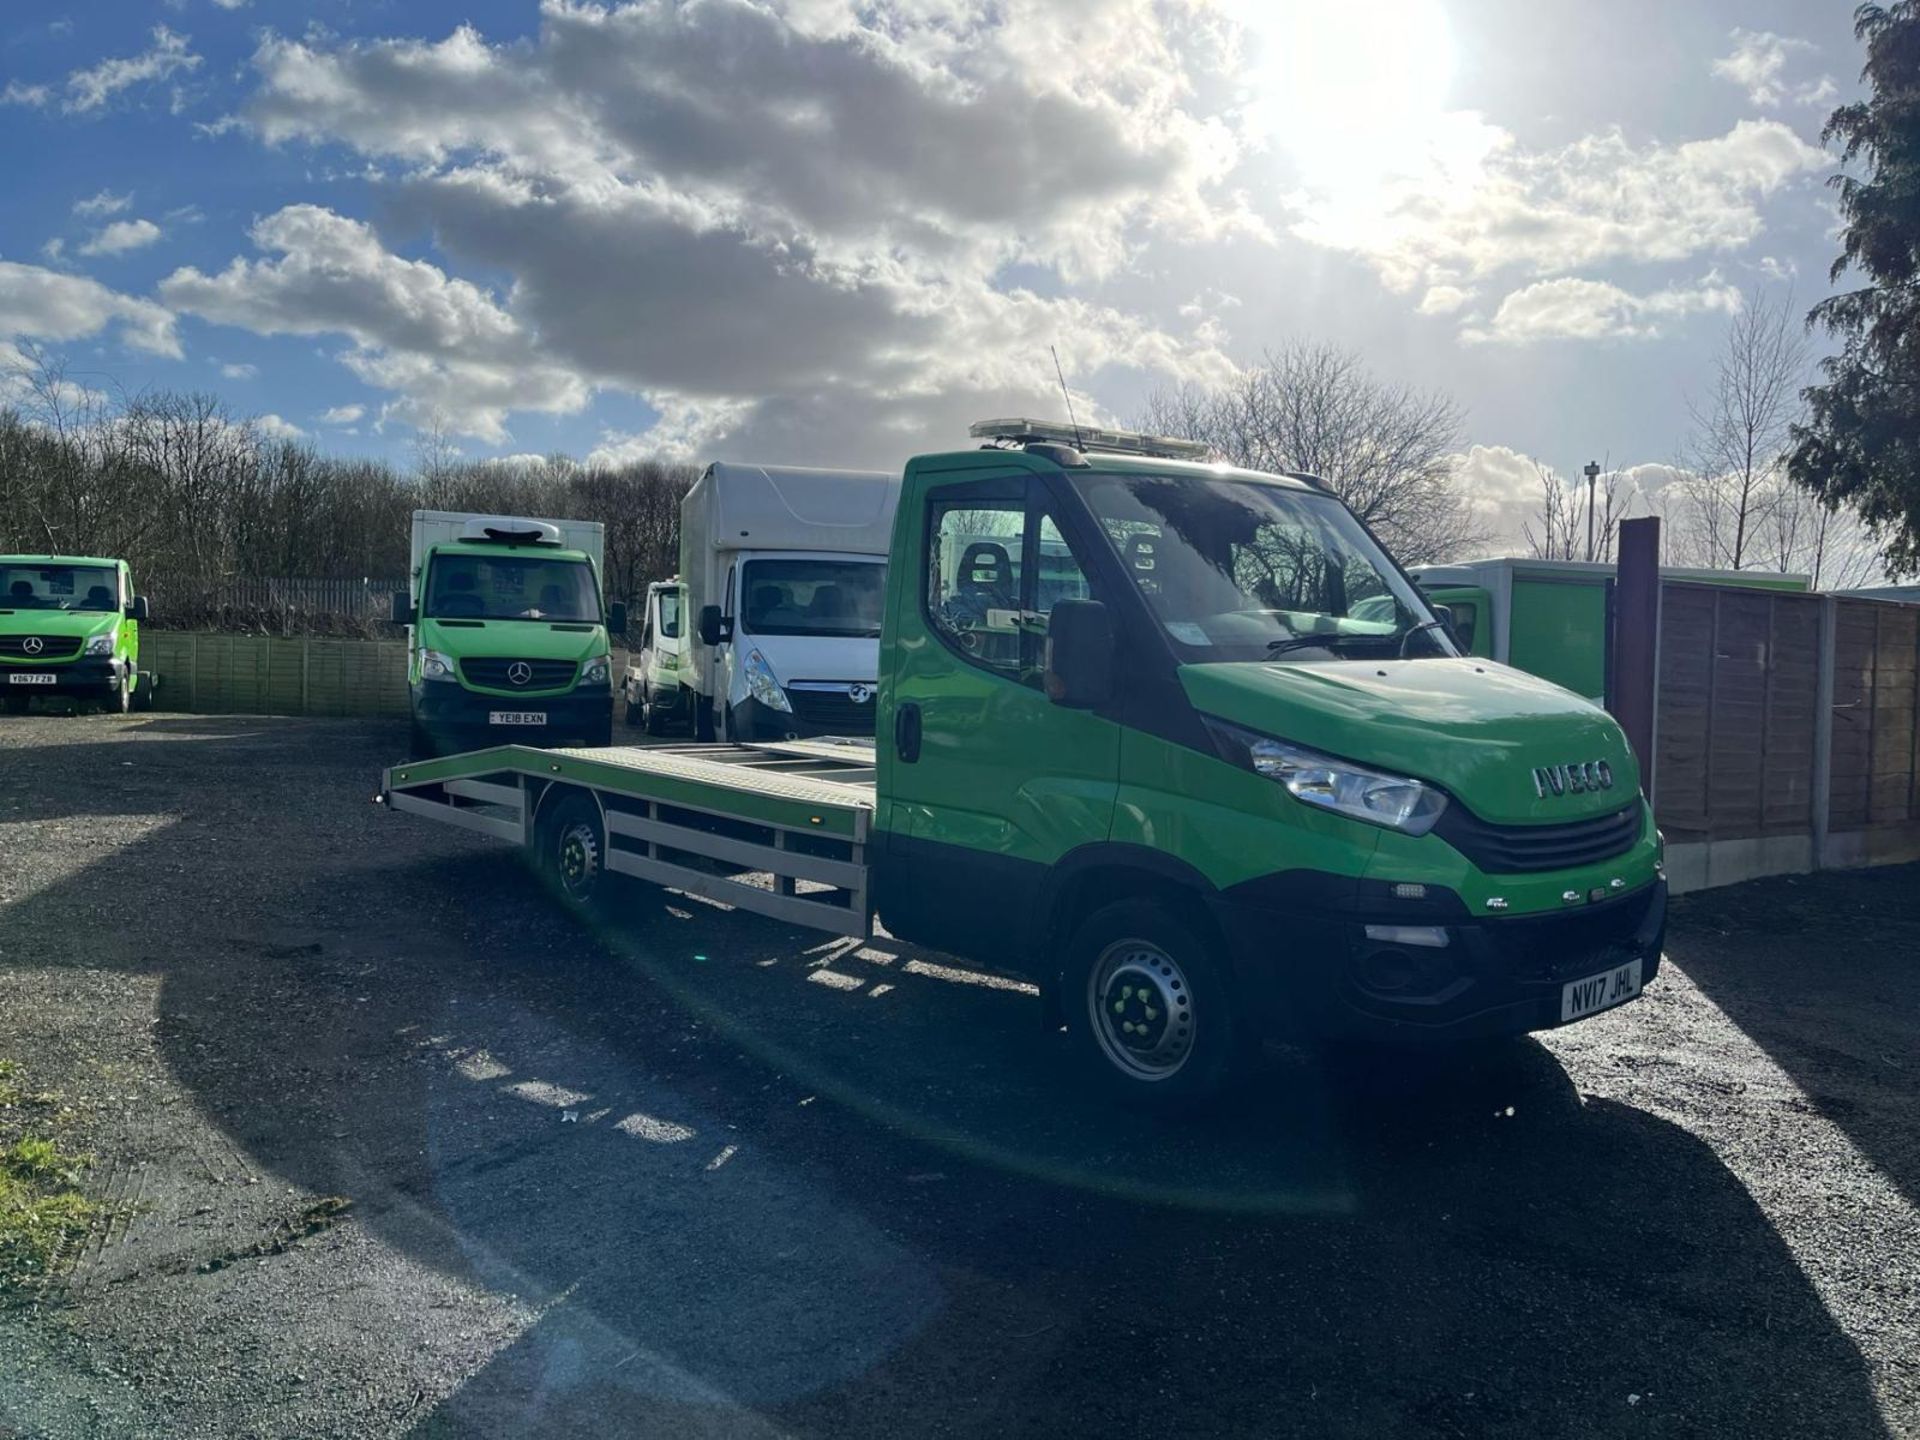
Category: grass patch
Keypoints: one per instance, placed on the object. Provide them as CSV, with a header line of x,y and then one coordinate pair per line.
x,y
44,1214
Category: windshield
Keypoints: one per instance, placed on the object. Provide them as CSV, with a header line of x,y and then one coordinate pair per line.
x,y
812,597
670,614
511,587
1241,570
59,587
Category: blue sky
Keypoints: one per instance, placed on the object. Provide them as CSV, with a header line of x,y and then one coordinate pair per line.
x,y
816,231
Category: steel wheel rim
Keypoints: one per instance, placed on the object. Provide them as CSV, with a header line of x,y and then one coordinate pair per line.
x,y
578,859
1140,1005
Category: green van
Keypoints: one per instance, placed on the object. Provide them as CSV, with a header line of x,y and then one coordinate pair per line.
x,y
70,626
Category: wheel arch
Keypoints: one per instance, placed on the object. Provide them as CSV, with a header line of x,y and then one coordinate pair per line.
x,y
1091,876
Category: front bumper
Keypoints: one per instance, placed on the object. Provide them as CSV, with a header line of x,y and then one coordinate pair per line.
x,y
1318,973
755,721
457,718
93,676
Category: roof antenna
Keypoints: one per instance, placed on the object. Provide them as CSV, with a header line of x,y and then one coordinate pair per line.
x,y
1078,442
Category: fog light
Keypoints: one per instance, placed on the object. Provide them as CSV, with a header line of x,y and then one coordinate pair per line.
x,y
1432,936
1404,891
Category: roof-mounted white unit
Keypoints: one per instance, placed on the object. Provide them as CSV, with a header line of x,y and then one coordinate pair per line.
x,y
509,530
1022,431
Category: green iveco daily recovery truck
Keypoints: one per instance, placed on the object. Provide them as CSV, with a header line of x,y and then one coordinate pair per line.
x,y
1205,790
70,626
508,632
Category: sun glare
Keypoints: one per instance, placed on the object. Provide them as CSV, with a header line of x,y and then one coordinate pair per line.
x,y
1349,89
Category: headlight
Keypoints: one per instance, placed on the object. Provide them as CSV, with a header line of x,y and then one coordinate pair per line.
x,y
436,666
1396,801
763,685
101,644
598,670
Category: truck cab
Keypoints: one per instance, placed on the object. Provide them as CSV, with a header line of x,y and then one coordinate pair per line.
x,y
70,626
508,633
655,690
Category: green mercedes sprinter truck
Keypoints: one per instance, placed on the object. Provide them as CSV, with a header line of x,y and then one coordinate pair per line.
x,y
70,627
1181,743
509,632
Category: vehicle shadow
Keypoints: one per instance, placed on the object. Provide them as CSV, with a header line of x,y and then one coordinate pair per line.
x,y
748,1182
1824,974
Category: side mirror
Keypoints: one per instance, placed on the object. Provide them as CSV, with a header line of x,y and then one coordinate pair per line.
x,y
713,628
617,619
402,608
1079,654
137,608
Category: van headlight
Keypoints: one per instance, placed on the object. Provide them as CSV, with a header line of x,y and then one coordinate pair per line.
x,y
436,666
101,644
762,684
598,672
1398,802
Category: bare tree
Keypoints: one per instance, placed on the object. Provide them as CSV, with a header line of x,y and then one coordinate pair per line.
x,y
1389,451
1561,532
1735,456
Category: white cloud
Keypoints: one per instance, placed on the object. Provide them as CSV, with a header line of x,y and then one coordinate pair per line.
x,y
40,304
239,371
1490,204
54,249
101,204
232,4
343,415
120,237
20,93
1503,488
1568,308
823,245
275,428
1758,65
1444,299
444,345
92,88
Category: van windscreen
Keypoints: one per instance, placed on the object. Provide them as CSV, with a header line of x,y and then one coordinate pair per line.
x,y
511,587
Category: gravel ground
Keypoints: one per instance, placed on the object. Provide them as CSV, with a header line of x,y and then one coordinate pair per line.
x,y
396,1149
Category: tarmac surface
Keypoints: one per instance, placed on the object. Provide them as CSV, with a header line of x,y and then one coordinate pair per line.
x,y
397,1149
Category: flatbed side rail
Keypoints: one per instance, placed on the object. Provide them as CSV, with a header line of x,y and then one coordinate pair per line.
x,y
793,868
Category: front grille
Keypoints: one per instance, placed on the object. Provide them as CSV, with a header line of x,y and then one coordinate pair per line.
x,y
491,673
52,647
1548,949
1528,849
834,711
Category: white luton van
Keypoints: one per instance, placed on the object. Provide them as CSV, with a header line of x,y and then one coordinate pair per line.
x,y
785,570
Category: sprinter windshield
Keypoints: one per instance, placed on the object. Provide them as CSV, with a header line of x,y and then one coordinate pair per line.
x,y
59,587
1240,570
811,597
511,587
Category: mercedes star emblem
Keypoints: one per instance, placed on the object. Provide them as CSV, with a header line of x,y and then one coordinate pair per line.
x,y
33,645
519,672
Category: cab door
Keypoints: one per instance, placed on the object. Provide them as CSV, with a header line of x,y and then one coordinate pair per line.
x,y
990,783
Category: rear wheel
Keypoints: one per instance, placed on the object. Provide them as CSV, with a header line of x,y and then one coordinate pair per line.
x,y
572,851
143,687
1149,1010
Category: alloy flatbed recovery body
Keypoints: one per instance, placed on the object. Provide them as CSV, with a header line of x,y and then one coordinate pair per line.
x,y
1179,742
692,817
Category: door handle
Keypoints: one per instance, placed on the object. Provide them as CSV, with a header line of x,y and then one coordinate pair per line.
x,y
906,732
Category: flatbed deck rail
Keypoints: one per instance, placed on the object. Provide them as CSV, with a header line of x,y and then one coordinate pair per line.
x,y
777,829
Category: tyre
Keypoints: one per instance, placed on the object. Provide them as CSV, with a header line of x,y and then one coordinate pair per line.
x,y
571,850
636,713
120,699
656,719
145,682
1149,1009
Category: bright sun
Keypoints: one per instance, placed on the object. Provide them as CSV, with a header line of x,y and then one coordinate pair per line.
x,y
1351,90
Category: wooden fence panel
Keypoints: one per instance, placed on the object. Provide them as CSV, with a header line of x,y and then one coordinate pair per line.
x,y
1685,701
1793,716
1890,799
267,675
1855,633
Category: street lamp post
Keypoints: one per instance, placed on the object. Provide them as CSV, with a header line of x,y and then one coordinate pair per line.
x,y
1592,472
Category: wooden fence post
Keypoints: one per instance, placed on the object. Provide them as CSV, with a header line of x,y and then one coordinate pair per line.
x,y
1636,641
1823,731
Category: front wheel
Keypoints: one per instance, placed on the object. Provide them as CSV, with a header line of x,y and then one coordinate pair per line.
x,y
1149,1009
120,699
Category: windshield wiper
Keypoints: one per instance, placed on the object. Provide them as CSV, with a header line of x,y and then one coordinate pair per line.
x,y
1296,642
1413,630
